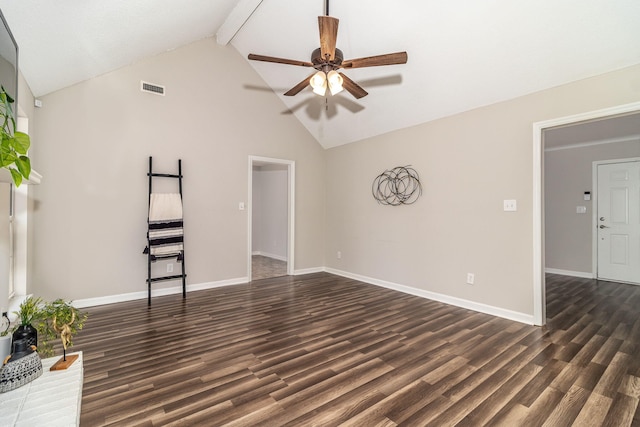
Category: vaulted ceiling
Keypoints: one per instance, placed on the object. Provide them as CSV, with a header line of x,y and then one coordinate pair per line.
x,y
463,54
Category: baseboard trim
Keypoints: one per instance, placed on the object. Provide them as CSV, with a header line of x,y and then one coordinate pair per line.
x,y
581,274
309,271
111,299
458,302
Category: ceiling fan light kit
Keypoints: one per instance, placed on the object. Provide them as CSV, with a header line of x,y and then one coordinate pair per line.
x,y
320,80
335,82
327,60
319,83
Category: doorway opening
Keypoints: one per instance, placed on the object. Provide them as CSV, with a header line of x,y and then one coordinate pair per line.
x,y
271,225
539,128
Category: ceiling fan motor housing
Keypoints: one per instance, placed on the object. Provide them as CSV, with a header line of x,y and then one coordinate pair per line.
x,y
320,63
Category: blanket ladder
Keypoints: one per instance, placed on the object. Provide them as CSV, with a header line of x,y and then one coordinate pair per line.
x,y
165,233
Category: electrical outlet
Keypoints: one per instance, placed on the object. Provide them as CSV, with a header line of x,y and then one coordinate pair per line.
x,y
169,268
510,205
339,255
470,278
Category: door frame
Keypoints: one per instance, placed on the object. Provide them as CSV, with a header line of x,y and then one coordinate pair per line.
x,y
291,174
539,303
594,213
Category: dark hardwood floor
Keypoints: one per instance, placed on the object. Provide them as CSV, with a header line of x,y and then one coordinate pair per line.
x,y
325,350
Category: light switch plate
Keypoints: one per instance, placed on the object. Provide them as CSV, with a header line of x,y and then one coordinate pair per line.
x,y
581,209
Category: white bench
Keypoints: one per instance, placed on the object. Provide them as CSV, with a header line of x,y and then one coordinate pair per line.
x,y
53,399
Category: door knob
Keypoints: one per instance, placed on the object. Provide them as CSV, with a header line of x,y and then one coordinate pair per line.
x,y
601,218
603,226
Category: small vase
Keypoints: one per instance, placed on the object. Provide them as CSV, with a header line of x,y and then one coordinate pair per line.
x,y
5,347
28,333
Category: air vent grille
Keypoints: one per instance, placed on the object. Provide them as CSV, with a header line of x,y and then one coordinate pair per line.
x,y
152,88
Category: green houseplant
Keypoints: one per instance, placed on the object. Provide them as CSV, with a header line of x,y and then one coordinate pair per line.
x,y
29,316
60,320
14,144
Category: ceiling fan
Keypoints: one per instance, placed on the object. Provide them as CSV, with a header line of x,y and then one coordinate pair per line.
x,y
328,59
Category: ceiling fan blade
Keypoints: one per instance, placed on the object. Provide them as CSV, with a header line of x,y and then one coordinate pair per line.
x,y
374,61
297,88
264,58
352,87
328,35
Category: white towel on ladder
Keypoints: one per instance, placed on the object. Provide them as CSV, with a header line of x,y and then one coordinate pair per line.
x,y
165,206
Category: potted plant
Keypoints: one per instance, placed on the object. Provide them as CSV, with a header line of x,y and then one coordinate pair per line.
x,y
13,144
60,320
29,315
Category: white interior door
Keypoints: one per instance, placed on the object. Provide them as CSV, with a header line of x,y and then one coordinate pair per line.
x,y
618,224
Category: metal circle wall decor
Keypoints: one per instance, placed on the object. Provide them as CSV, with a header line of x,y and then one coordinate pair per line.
x,y
398,186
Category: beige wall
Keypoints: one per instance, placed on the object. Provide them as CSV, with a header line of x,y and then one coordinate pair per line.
x,y
270,193
468,164
94,140
568,174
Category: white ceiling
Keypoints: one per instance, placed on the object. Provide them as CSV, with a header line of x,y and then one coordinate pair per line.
x,y
463,54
